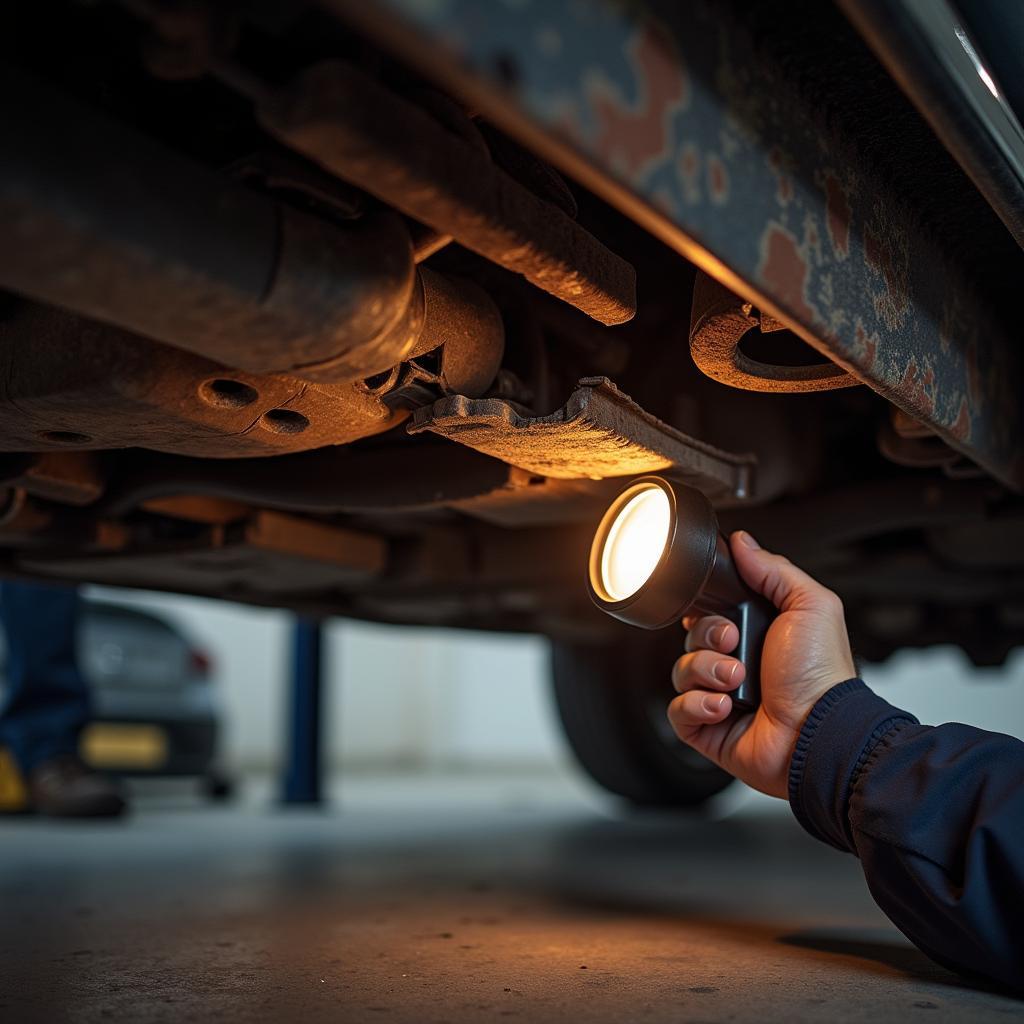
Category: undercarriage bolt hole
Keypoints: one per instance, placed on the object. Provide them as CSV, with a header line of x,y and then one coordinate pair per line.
x,y
284,421
227,394
64,437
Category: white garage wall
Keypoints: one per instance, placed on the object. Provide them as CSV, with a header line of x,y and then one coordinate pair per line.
x,y
940,685
399,697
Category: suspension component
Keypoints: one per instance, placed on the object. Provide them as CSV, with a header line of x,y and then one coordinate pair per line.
x,y
358,130
140,237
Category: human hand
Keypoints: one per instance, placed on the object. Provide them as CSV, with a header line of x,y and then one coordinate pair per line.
x,y
806,652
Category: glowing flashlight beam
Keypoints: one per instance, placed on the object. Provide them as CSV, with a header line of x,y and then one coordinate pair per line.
x,y
635,543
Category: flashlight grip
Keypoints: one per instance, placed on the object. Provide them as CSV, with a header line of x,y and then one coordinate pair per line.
x,y
752,618
725,593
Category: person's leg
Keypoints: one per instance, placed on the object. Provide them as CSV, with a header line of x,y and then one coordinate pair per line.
x,y
46,702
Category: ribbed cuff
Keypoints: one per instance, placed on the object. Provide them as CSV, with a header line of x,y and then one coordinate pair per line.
x,y
835,741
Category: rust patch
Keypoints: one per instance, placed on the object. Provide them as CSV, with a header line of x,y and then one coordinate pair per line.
x,y
689,168
867,346
888,258
663,200
837,216
783,271
783,182
811,237
961,427
918,388
630,137
718,180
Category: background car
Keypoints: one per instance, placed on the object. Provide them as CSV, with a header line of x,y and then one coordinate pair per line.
x,y
155,709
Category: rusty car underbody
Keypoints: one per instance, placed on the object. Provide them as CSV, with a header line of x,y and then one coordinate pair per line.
x,y
367,309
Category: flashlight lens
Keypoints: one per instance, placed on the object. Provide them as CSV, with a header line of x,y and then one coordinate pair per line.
x,y
635,542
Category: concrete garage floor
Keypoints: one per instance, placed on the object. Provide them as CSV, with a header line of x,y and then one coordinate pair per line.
x,y
431,900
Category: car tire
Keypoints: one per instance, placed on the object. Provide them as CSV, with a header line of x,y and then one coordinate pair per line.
x,y
611,698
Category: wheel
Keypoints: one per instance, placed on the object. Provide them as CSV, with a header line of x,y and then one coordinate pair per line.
x,y
612,698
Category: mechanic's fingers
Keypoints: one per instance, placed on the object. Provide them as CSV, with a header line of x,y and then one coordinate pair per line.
x,y
712,632
707,669
776,577
696,708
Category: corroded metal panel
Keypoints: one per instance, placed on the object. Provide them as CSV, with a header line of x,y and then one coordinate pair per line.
x,y
598,433
679,117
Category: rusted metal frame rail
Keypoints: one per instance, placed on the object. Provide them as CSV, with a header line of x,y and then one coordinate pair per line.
x,y
673,113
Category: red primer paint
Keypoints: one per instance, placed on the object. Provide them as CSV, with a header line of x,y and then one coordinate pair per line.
x,y
629,138
868,344
837,216
893,305
718,180
961,426
783,271
688,163
919,389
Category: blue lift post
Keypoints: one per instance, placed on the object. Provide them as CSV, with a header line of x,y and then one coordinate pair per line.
x,y
303,765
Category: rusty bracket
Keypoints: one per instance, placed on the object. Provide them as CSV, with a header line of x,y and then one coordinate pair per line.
x,y
719,320
598,433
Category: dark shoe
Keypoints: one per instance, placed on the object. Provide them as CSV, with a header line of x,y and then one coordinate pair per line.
x,y
66,788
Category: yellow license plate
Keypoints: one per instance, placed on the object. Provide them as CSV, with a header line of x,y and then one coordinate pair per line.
x,y
13,797
110,746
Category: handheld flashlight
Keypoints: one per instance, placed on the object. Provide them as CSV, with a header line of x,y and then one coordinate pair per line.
x,y
658,555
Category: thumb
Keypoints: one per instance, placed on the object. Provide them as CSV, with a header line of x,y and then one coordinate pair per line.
x,y
776,577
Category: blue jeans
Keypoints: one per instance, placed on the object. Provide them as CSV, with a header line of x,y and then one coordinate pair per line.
x,y
46,699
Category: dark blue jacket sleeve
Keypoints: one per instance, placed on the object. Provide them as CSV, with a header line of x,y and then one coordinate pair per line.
x,y
936,816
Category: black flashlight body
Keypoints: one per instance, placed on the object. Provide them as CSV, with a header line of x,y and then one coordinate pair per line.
x,y
695,575
727,595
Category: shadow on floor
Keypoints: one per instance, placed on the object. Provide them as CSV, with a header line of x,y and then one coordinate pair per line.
x,y
888,954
